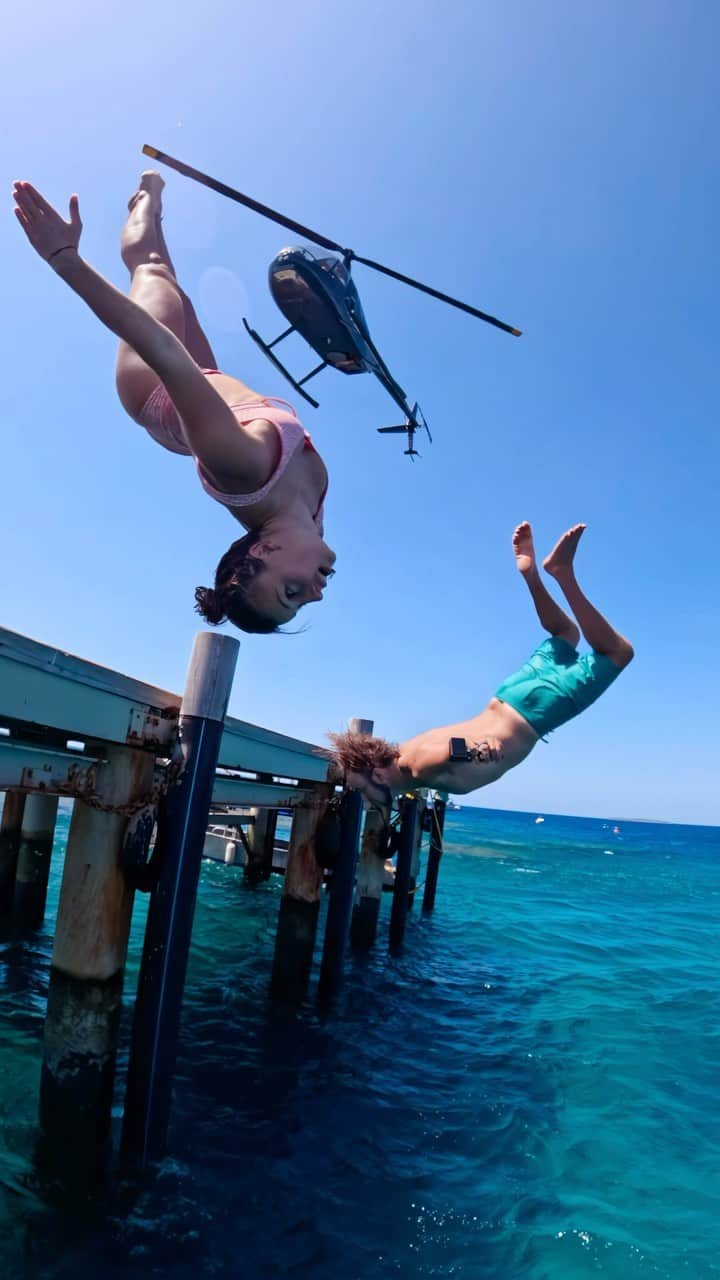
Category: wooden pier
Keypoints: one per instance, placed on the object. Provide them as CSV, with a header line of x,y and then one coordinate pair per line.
x,y
157,780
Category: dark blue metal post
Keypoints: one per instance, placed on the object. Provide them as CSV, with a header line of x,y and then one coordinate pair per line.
x,y
169,925
435,854
403,866
342,888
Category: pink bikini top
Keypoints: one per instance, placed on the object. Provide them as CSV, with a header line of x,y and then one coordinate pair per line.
x,y
292,437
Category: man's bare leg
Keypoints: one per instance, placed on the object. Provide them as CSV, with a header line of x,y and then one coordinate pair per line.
x,y
598,632
552,617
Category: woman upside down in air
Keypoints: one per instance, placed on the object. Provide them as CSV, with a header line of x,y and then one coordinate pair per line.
x,y
252,454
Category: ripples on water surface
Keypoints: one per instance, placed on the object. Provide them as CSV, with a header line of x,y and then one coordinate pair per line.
x,y
528,1093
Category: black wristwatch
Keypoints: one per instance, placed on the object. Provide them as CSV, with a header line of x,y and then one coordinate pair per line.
x,y
459,751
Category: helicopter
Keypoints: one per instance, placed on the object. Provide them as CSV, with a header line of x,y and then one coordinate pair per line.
x,y
319,298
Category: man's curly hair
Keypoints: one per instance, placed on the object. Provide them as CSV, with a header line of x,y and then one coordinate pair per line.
x,y
360,752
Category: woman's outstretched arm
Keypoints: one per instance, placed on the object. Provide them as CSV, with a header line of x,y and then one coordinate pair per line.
x,y
210,426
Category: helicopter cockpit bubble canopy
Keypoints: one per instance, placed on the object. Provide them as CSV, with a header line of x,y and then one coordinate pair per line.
x,y
316,293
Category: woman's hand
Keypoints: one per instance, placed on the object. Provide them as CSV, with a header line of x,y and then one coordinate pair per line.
x,y
46,230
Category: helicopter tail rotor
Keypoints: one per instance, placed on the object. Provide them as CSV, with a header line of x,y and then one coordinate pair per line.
x,y
415,421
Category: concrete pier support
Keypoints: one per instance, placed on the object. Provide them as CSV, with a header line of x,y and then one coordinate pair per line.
x,y
410,818
435,854
299,908
370,879
261,845
86,977
10,828
33,867
342,887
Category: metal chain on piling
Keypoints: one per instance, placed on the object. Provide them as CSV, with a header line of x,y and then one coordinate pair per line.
x,y
150,800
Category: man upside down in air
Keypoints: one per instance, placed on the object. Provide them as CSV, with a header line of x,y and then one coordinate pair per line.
x,y
554,686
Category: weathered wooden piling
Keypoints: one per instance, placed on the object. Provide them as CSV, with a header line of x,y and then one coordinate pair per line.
x,y
435,853
88,960
261,845
410,809
342,888
299,907
33,867
417,848
169,927
122,729
371,867
370,881
10,829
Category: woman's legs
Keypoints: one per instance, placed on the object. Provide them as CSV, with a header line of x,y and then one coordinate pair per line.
x,y
152,285
552,617
195,338
598,632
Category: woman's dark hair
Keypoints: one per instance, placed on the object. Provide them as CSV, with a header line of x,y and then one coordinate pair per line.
x,y
228,599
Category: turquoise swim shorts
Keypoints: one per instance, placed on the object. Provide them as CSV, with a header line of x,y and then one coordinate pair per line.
x,y
556,684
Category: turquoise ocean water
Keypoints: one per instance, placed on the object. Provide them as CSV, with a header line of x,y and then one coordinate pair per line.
x,y
528,1093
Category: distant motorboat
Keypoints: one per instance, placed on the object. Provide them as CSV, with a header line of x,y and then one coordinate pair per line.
x,y
452,805
539,820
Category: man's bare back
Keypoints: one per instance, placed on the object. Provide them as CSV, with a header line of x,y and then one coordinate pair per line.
x,y
500,736
552,687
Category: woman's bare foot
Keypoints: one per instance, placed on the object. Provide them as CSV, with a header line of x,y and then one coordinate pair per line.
x,y
151,184
522,542
563,553
142,238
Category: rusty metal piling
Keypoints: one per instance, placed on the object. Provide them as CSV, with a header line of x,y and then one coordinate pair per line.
x,y
299,908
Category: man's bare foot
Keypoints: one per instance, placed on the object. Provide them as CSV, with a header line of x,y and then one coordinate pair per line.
x,y
522,541
151,184
563,553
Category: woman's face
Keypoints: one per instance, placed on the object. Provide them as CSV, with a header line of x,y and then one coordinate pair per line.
x,y
296,573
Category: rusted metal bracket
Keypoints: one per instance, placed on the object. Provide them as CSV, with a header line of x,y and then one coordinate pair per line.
x,y
151,726
40,769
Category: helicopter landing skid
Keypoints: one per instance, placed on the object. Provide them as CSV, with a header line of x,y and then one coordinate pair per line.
x,y
266,347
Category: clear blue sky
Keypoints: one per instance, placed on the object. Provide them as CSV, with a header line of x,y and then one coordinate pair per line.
x,y
553,163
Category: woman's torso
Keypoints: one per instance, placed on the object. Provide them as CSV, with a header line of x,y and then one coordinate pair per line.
x,y
303,475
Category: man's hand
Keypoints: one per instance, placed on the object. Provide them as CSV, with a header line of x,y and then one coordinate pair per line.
x,y
46,230
487,751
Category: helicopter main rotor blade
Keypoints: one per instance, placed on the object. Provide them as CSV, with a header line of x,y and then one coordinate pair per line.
x,y
224,190
307,233
435,293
